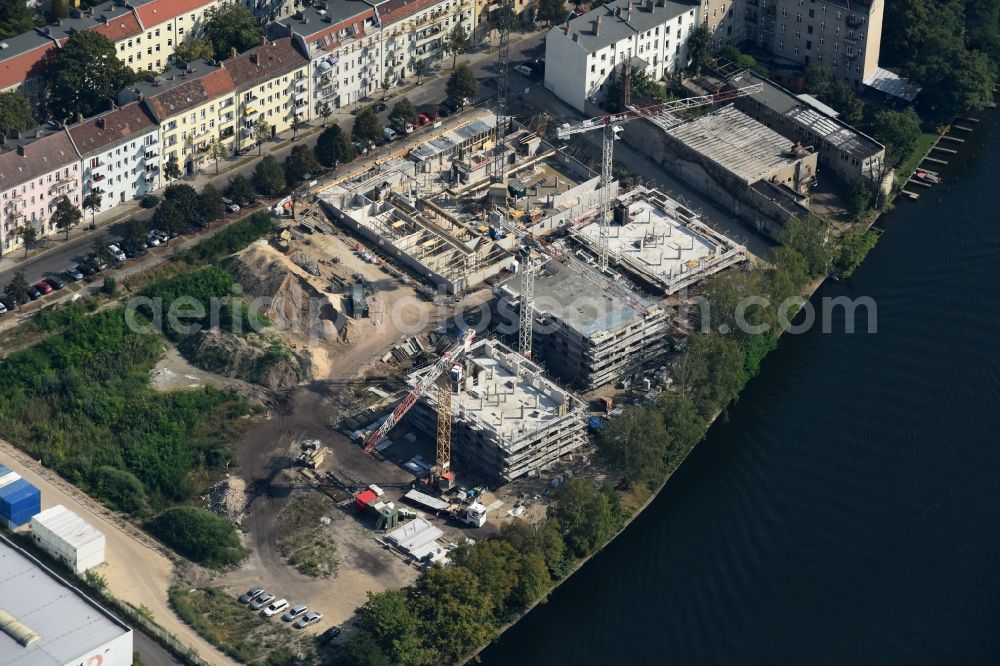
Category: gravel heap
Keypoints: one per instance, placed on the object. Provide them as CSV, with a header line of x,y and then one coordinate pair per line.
x,y
229,498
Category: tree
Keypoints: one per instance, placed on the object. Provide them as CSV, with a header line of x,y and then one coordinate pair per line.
x,y
210,203
66,215
269,177
583,514
711,372
326,111
135,233
28,235
231,27
300,161
217,151
199,535
101,251
60,9
543,537
185,198
420,69
697,48
91,202
15,18
388,618
551,11
845,100
403,112
194,48
239,190
17,289
167,218
635,443
333,147
455,615
261,132
859,196
171,169
367,126
809,237
386,84
456,43
462,83
15,113
819,80
298,124
854,247
85,74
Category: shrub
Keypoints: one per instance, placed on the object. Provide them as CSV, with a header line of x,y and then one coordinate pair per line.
x,y
120,488
232,239
110,286
150,201
199,536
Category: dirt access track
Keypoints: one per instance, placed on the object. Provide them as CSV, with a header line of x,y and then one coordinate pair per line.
x,y
136,569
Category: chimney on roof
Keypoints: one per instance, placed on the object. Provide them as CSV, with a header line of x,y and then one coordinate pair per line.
x,y
618,11
576,36
254,59
101,124
597,25
661,3
79,117
649,5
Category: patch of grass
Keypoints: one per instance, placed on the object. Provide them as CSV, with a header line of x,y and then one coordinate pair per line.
x,y
306,542
232,627
906,168
232,239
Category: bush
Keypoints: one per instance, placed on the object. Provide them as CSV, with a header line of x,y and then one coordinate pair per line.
x,y
199,536
150,201
120,488
110,286
232,239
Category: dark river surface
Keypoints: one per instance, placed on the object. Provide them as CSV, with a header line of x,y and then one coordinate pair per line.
x,y
848,510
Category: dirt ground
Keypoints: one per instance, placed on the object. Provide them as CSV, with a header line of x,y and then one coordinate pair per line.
x,y
136,570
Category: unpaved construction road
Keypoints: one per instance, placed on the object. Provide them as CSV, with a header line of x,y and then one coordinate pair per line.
x,y
136,570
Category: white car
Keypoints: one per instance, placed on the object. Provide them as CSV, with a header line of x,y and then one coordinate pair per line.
x,y
116,252
152,239
231,205
275,607
312,617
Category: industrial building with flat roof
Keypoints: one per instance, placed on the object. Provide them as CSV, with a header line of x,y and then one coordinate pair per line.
x,y
659,241
743,165
45,621
509,419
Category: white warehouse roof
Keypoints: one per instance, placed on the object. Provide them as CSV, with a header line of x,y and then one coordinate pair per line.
x,y
68,526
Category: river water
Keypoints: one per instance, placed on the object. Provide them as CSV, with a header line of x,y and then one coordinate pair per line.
x,y
848,510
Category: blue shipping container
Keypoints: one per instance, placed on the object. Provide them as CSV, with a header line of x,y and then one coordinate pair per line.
x,y
19,501
3,469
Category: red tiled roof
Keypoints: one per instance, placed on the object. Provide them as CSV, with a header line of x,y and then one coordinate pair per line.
x,y
126,25
111,128
158,11
189,95
26,65
397,10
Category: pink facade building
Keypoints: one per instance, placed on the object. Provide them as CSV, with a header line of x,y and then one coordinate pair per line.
x,y
36,168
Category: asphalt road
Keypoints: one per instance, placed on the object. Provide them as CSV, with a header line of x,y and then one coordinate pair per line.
x,y
151,652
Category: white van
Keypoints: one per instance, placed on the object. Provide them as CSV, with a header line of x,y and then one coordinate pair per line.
x,y
524,70
389,134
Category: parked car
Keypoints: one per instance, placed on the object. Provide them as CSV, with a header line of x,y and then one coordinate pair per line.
x,y
380,107
250,595
361,148
389,134
7,304
231,205
261,600
294,612
34,293
152,239
86,269
43,287
116,252
132,251
73,273
309,618
97,263
329,635
3,308
444,110
275,607
55,283
422,119
524,70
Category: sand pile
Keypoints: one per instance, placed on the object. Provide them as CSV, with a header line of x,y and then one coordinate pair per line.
x,y
255,358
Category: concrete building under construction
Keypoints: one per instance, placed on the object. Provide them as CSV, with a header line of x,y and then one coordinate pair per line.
x,y
508,418
659,242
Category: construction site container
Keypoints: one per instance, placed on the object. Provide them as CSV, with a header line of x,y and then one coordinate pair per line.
x,y
19,501
68,538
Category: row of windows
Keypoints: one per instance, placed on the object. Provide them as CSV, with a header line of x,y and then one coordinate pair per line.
x,y
41,181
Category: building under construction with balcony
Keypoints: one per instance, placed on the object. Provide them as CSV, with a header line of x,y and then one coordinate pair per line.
x,y
509,419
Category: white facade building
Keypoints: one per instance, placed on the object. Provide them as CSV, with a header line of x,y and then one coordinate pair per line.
x,y
581,54
119,153
68,538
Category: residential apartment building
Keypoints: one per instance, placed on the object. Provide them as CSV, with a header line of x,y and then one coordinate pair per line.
x,y
343,40
36,168
486,16
144,32
844,35
414,33
192,106
583,53
119,153
271,81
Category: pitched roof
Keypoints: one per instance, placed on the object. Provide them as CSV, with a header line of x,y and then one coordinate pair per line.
x,y
28,64
265,62
157,11
177,90
391,11
326,19
621,19
111,128
121,27
42,155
